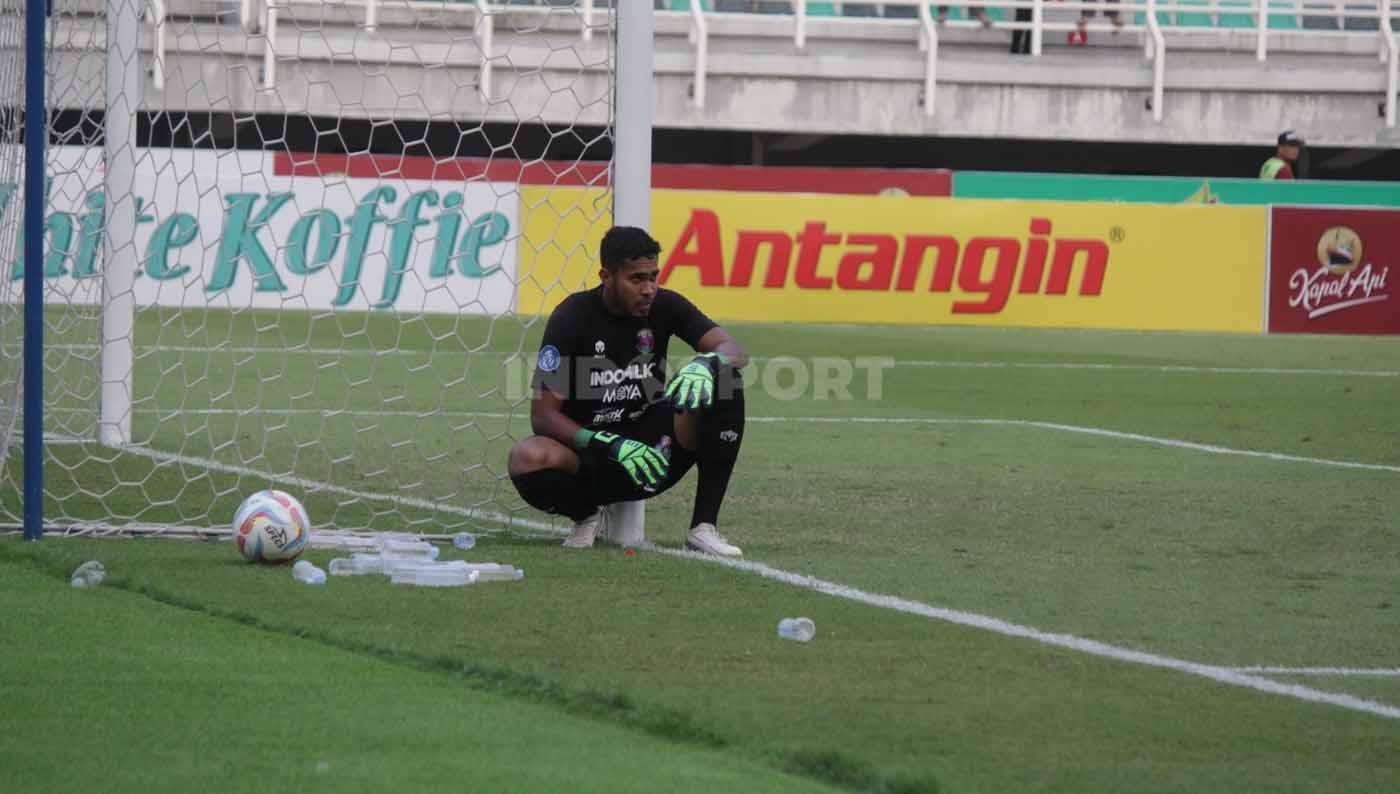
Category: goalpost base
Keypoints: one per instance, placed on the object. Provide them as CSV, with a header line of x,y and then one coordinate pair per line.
x,y
626,523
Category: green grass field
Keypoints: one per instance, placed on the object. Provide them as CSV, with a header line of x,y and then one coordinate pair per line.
x,y
1099,486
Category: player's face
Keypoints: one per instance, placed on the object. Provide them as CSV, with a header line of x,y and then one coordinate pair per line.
x,y
631,288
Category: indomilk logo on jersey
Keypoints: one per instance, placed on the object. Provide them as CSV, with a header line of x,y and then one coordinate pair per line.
x,y
613,377
622,384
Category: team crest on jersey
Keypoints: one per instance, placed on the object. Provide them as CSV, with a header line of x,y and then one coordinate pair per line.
x,y
549,358
646,340
599,347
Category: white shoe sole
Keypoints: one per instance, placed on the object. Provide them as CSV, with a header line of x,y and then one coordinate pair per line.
x,y
733,552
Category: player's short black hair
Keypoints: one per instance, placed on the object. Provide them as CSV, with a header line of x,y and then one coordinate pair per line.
x,y
622,244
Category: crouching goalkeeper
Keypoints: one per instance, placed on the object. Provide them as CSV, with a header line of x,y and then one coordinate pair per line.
x,y
608,427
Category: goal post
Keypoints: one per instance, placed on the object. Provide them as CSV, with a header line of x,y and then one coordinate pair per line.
x,y
632,183
311,255
118,320
32,390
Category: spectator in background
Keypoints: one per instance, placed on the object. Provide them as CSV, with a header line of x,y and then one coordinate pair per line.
x,y
980,14
1080,35
1284,163
1021,38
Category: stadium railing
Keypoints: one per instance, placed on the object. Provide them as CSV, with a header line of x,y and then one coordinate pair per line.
x,y
1160,26
1154,20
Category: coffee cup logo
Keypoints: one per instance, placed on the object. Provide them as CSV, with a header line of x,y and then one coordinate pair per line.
x,y
1339,249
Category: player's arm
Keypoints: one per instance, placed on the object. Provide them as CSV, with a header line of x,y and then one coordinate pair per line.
x,y
718,340
693,387
646,466
547,418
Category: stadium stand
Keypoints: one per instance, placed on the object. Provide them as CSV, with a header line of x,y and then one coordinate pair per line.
x,y
1203,71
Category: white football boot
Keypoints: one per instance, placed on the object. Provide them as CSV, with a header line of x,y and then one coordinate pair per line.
x,y
587,530
706,539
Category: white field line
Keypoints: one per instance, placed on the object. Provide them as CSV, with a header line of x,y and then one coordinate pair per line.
x,y
1222,675
1355,672
1092,647
315,486
529,355
1374,373
1212,449
1101,432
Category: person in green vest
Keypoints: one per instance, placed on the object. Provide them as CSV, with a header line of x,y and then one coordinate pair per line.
x,y
1284,163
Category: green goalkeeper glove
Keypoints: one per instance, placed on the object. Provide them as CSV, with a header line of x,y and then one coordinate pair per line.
x,y
693,387
644,465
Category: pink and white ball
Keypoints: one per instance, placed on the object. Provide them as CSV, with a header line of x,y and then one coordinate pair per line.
x,y
271,526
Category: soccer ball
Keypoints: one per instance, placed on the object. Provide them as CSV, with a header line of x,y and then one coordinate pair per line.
x,y
271,526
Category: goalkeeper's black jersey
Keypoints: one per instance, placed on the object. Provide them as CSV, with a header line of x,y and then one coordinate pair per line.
x,y
609,369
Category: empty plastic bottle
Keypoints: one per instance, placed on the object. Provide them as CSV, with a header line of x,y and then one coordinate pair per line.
x,y
434,574
799,629
393,564
89,574
495,572
357,565
409,548
306,573
464,540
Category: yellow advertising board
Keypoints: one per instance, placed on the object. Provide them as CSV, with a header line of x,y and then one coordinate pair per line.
x,y
560,228
935,261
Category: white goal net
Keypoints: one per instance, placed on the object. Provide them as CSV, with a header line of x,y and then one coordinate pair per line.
x,y
303,245
11,220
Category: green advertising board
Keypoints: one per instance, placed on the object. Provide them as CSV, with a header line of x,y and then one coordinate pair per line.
x,y
1172,190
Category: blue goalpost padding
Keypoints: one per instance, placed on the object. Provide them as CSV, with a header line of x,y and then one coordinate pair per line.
x,y
35,137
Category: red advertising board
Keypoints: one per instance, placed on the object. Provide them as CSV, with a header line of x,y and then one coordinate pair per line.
x,y
1330,271
745,178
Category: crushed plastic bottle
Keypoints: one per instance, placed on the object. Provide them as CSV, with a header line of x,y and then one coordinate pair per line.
x,y
357,565
495,572
394,564
306,573
338,540
799,629
464,540
433,574
89,574
422,571
417,549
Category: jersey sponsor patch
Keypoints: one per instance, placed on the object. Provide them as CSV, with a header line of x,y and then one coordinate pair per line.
x,y
606,417
549,358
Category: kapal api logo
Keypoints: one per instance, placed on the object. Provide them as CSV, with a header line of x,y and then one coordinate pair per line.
x,y
1342,280
1340,249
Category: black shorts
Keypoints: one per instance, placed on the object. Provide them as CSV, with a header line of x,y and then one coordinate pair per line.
x,y
609,482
